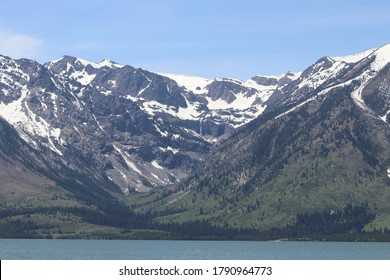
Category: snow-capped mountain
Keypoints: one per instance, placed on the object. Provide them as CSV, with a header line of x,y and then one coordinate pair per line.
x,y
139,129
358,71
142,130
190,98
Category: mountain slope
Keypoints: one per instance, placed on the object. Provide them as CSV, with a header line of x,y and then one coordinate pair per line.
x,y
20,171
323,143
37,200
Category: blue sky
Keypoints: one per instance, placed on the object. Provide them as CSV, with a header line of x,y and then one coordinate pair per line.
x,y
210,38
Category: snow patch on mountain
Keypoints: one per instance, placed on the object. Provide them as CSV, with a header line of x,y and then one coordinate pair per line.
x,y
382,57
169,148
322,74
295,107
155,164
241,102
261,88
109,63
129,163
354,57
83,77
384,117
357,93
189,113
151,107
103,63
27,123
195,84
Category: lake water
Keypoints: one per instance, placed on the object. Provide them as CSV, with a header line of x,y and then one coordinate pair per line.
x,y
30,249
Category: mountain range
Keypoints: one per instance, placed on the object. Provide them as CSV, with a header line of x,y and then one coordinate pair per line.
x,y
258,153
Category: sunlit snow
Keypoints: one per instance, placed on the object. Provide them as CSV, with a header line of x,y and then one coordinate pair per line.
x,y
192,83
354,57
128,161
155,164
28,123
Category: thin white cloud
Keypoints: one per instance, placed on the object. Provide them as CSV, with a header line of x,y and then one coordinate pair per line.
x,y
19,45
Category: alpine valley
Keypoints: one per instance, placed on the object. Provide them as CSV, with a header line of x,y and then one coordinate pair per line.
x,y
104,150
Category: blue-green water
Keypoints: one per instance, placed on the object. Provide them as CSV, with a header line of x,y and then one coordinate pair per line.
x,y
29,249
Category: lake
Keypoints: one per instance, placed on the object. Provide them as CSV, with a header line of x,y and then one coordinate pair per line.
x,y
47,249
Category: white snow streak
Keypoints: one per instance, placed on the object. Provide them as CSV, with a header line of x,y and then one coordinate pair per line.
x,y
128,162
27,123
155,164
